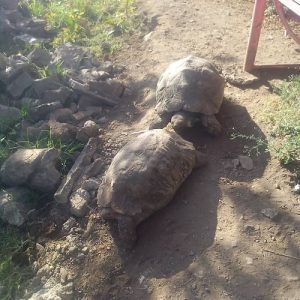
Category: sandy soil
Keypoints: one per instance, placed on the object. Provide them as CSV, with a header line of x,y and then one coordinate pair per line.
x,y
212,241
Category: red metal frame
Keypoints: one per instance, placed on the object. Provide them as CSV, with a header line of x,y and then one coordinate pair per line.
x,y
256,25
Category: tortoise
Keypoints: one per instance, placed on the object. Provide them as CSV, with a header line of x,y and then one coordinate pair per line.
x,y
143,177
191,90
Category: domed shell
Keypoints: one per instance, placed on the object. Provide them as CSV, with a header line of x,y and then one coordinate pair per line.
x,y
191,84
146,173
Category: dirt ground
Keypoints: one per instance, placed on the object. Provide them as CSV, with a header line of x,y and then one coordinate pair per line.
x,y
212,241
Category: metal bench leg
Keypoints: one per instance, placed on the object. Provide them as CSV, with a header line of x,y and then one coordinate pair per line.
x,y
256,25
284,21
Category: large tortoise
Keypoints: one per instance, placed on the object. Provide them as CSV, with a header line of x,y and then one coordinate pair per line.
x,y
190,90
144,177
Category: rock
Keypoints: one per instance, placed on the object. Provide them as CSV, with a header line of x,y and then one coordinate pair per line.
x,y
38,131
96,168
40,57
79,203
17,169
17,88
68,225
47,177
297,188
26,39
63,115
40,112
3,62
14,205
62,131
40,86
90,129
10,4
16,65
9,116
91,184
69,56
246,162
34,167
57,292
111,87
63,275
57,95
83,160
271,213
98,99
249,260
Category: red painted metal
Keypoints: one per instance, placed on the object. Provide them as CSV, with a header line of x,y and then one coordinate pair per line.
x,y
256,25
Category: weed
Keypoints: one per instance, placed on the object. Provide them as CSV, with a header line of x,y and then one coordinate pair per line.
x,y
95,24
13,274
284,116
256,145
285,119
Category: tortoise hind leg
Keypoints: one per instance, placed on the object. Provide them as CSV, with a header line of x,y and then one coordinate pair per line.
x,y
127,231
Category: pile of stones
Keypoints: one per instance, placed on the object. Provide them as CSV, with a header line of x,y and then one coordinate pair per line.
x,y
69,103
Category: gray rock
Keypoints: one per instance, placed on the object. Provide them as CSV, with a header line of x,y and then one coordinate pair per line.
x,y
63,115
58,95
92,184
96,168
34,167
57,292
14,69
40,57
69,56
62,131
38,131
83,160
270,213
14,205
9,116
79,203
47,177
3,62
19,85
89,129
17,169
10,4
40,86
110,87
297,188
246,162
41,112
68,225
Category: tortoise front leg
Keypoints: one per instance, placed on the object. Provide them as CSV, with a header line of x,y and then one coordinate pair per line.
x,y
211,124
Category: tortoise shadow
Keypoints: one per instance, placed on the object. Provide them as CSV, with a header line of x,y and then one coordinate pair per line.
x,y
171,239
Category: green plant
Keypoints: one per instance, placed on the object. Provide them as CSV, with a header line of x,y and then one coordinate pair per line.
x,y
285,119
97,24
14,272
255,145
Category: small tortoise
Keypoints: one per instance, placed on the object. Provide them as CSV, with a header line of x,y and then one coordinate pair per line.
x,y
190,90
144,177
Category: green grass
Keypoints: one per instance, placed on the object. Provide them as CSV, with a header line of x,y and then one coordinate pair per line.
x,y
13,274
9,145
283,116
285,119
96,24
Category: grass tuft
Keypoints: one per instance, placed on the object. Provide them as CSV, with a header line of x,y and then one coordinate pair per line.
x,y
96,24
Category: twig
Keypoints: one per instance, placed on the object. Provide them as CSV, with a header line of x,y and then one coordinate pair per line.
x,y
281,254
